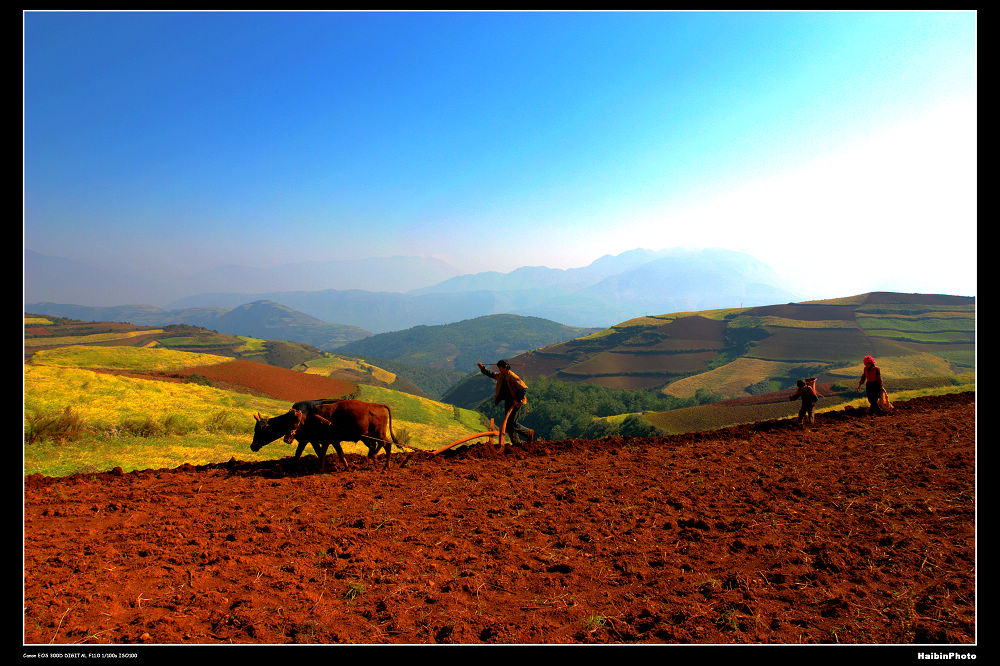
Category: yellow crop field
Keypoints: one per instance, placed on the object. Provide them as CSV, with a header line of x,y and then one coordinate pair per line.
x,y
124,358
87,339
718,315
250,344
37,321
332,363
660,320
105,402
593,336
77,419
415,409
731,379
81,419
915,365
653,320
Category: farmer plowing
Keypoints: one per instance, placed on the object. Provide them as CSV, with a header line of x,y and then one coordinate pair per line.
x,y
513,392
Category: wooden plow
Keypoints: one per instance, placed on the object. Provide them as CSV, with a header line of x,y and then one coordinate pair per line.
x,y
491,433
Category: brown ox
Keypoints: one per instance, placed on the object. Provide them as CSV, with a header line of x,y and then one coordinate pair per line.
x,y
322,423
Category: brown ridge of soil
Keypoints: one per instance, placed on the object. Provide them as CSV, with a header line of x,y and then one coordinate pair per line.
x,y
251,377
859,529
825,390
270,380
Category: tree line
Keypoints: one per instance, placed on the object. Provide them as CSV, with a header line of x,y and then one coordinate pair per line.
x,y
568,410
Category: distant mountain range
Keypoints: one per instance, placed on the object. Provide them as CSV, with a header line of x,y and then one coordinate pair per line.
x,y
609,290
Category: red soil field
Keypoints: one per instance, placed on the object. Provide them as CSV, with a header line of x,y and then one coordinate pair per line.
x,y
271,380
805,312
532,365
858,530
695,328
825,390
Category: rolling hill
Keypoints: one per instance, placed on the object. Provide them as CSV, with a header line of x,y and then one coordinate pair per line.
x,y
460,345
740,352
742,360
260,319
426,359
99,395
43,333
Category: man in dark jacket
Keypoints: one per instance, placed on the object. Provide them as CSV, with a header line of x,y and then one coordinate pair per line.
x,y
512,390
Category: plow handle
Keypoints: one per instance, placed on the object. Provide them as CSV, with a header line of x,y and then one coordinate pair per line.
x,y
503,426
489,433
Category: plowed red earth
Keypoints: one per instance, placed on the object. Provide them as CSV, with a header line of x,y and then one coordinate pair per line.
x,y
857,530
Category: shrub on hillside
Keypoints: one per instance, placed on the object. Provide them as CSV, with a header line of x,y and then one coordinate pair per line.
x,y
636,426
142,427
703,396
63,426
599,429
230,422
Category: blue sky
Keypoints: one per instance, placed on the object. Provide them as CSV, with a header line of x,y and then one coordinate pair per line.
x,y
841,143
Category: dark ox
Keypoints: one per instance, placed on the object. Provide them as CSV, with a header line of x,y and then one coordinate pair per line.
x,y
325,422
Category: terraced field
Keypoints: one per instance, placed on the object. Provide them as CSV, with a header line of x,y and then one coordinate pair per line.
x,y
735,352
801,344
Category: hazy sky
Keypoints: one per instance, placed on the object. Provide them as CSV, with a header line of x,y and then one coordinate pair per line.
x,y
839,147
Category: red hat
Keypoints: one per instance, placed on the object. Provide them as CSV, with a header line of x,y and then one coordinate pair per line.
x,y
869,360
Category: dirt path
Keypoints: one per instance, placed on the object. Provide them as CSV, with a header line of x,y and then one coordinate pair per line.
x,y
858,530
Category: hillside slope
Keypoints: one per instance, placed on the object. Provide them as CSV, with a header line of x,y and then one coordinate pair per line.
x,y
858,531
259,319
42,333
739,352
462,344
94,407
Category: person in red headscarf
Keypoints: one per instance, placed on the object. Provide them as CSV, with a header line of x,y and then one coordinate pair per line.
x,y
871,377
